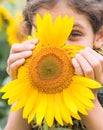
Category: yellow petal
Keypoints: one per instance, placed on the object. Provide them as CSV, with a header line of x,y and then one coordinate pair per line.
x,y
41,109
14,98
76,116
86,82
29,104
9,86
12,91
82,99
55,37
49,116
34,108
57,110
72,49
64,111
20,103
80,106
69,102
67,28
47,20
83,91
65,25
39,23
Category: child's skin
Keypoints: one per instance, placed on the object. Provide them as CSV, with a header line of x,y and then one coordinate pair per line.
x,y
87,63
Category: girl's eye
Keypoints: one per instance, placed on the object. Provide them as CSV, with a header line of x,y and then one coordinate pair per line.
x,y
75,34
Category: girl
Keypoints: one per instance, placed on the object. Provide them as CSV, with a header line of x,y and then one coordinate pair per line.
x,y
87,31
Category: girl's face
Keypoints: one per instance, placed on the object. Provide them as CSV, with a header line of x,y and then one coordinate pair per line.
x,y
82,33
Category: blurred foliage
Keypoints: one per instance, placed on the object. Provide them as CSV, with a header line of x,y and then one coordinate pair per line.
x,y
12,7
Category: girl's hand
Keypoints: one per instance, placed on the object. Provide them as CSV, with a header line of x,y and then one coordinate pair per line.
x,y
18,54
89,63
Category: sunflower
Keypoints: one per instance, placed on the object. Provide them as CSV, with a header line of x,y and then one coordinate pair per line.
x,y
47,87
16,30
5,16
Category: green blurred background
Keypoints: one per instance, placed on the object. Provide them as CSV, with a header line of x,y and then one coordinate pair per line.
x,y
8,10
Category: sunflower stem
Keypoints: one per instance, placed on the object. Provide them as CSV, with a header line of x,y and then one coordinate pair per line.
x,y
46,126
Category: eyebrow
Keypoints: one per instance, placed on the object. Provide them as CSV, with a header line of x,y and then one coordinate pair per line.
x,y
78,25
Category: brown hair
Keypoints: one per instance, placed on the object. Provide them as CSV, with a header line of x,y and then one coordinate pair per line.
x,y
93,9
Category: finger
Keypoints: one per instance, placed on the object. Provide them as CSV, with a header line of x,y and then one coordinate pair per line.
x,y
94,62
16,56
97,55
78,69
13,69
28,45
86,67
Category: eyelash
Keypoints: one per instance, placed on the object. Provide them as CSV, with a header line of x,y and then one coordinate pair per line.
x,y
75,34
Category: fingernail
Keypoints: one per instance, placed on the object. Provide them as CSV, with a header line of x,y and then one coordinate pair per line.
x,y
35,41
31,46
77,55
22,59
29,53
73,60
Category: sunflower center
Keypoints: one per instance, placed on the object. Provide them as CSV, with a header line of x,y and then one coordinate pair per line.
x,y
50,70
49,67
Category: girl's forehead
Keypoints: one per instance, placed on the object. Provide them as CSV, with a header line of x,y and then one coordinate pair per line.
x,y
62,10
59,9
